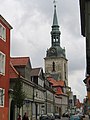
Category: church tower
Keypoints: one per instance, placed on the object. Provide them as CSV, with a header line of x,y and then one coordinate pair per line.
x,y
55,60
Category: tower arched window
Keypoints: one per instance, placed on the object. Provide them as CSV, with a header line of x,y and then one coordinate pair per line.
x,y
65,70
53,66
57,39
54,40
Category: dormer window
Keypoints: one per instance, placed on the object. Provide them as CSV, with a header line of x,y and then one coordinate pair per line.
x,y
2,32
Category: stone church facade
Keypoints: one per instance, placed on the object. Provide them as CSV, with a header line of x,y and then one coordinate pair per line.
x,y
56,63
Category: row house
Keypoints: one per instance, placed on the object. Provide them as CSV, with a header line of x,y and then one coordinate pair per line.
x,y
33,86
49,97
40,95
20,68
5,28
58,104
37,77
85,32
61,98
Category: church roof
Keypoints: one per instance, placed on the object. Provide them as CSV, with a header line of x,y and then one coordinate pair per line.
x,y
59,52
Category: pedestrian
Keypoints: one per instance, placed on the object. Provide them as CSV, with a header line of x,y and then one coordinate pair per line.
x,y
19,117
25,117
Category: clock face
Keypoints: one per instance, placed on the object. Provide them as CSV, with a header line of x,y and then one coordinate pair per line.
x,y
53,50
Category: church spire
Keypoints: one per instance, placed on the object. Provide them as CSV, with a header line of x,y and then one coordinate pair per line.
x,y
55,21
55,49
55,33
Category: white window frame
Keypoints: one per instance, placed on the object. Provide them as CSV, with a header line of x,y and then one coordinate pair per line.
x,y
2,63
2,32
2,97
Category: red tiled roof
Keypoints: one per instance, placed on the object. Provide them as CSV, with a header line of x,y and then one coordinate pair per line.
x,y
12,72
19,61
35,71
59,91
56,83
59,83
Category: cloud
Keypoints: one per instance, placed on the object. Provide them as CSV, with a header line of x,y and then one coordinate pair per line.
x,y
76,82
32,20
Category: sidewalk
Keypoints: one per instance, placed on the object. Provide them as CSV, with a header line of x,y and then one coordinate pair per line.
x,y
86,117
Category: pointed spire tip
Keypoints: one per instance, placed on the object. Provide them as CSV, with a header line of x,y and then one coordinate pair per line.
x,y
55,21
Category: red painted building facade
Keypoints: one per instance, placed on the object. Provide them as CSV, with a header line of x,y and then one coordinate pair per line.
x,y
4,67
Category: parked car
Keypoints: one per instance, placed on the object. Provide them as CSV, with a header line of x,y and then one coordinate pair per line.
x,y
44,117
51,116
57,116
81,116
66,114
75,117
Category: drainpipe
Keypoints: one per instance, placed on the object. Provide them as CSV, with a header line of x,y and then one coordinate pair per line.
x,y
46,101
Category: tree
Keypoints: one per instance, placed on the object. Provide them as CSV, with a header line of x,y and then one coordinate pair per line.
x,y
18,94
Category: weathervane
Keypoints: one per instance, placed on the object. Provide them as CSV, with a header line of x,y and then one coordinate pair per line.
x,y
54,2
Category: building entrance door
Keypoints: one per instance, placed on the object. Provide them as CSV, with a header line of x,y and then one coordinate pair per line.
x,y
12,111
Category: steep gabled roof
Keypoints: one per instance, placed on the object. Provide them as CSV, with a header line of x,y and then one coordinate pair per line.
x,y
35,71
19,61
13,72
56,83
5,22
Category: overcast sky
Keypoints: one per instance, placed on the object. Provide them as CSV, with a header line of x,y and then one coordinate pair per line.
x,y
32,20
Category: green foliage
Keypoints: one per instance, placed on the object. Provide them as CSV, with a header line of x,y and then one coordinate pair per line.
x,y
18,94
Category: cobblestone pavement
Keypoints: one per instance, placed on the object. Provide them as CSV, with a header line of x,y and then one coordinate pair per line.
x,y
86,117
64,118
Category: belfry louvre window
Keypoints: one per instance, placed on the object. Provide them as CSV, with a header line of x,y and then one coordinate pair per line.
x,y
2,32
2,95
2,63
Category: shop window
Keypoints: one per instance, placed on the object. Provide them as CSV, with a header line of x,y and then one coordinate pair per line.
x,y
2,94
2,63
